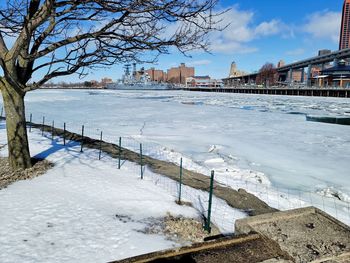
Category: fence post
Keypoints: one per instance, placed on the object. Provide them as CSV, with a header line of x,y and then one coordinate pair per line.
x,y
207,227
99,154
141,161
30,122
180,181
336,210
52,130
120,151
64,134
42,127
82,138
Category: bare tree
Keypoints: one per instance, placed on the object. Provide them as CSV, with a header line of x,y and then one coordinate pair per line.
x,y
53,38
267,75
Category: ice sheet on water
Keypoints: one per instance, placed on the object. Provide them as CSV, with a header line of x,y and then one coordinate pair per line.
x,y
329,119
54,96
227,172
154,97
333,193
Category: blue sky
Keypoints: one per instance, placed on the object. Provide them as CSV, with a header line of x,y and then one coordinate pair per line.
x,y
261,31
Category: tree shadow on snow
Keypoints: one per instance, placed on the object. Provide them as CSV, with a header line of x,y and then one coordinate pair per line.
x,y
73,153
2,125
55,147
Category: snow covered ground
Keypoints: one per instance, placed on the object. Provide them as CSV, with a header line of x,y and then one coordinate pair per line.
x,y
86,210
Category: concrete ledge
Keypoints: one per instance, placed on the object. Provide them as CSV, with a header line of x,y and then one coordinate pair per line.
x,y
248,248
307,234
247,225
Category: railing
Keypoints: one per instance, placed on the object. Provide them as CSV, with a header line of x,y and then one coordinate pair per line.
x,y
222,214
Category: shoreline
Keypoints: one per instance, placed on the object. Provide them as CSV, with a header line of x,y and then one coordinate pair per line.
x,y
308,92
239,199
297,92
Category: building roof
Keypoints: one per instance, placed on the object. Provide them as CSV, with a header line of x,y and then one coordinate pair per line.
x,y
201,77
336,69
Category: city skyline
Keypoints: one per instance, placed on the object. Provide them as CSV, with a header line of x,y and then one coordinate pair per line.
x,y
257,34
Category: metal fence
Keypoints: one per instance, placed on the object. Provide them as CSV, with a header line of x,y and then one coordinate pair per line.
x,y
219,211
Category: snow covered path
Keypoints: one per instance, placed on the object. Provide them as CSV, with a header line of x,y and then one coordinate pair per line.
x,y
82,210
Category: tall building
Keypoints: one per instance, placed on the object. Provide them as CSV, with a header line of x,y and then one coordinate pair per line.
x,y
179,74
323,52
156,75
105,81
345,26
234,72
281,63
297,75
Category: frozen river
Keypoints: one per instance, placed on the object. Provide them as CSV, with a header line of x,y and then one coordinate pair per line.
x,y
254,137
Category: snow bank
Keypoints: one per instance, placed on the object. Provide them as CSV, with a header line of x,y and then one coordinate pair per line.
x,y
86,210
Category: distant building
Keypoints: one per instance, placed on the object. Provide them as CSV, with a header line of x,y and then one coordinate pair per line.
x,y
106,81
156,75
178,75
203,82
315,71
281,63
345,26
234,72
297,75
323,52
337,76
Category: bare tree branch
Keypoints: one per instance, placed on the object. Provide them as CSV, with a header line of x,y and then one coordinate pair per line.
x,y
3,48
69,36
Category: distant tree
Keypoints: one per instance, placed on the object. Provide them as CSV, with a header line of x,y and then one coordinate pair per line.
x,y
53,38
87,84
267,75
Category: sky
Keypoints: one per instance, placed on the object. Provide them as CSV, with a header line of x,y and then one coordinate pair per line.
x,y
260,31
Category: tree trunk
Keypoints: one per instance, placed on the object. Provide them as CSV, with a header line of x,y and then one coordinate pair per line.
x,y
18,148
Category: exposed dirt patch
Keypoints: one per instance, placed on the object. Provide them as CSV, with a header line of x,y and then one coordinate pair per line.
x,y
8,176
180,229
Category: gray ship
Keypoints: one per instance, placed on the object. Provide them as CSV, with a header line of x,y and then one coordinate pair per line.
x,y
137,80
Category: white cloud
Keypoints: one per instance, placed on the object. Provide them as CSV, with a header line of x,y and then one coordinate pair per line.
x,y
232,47
296,52
241,31
203,62
324,25
268,28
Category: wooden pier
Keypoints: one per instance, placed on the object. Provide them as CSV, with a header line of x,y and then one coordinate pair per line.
x,y
313,92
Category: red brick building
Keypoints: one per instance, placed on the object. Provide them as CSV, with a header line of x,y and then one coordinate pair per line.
x,y
344,41
156,75
179,74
